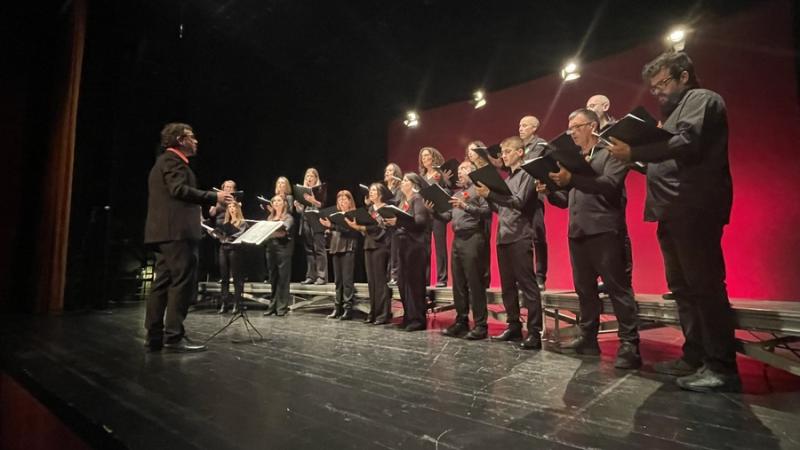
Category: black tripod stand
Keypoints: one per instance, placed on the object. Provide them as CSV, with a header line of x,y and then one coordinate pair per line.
x,y
240,314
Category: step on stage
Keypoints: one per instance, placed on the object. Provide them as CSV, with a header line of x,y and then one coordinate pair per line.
x,y
315,383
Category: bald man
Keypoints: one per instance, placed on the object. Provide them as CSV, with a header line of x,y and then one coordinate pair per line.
x,y
535,147
600,104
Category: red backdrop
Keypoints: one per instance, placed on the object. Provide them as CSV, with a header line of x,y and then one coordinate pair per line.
x,y
747,58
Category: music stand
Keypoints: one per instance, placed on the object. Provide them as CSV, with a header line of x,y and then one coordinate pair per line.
x,y
255,235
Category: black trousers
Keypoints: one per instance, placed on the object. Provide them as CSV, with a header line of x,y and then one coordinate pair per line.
x,y
394,256
601,255
411,278
628,253
279,255
173,290
439,233
515,262
468,284
540,244
343,268
380,296
695,269
230,265
316,254
487,254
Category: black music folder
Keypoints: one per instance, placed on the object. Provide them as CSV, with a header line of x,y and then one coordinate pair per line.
x,y
540,168
338,219
317,191
635,130
568,154
452,166
389,211
361,216
488,176
438,196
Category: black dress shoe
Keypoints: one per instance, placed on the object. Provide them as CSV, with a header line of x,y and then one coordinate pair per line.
x,y
476,334
280,314
183,347
236,308
706,380
307,281
222,308
628,356
509,334
382,322
582,346
415,326
441,284
320,282
676,367
271,312
346,315
335,314
369,319
457,329
668,296
532,342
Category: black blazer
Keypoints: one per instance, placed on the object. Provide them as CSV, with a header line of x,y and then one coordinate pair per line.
x,y
173,202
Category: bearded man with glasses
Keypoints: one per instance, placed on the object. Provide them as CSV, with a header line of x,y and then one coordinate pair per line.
x,y
689,194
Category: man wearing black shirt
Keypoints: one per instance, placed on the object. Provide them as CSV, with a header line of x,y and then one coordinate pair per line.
x,y
515,246
467,255
689,194
596,223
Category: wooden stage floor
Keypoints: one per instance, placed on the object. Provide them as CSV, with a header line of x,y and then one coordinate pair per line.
x,y
314,383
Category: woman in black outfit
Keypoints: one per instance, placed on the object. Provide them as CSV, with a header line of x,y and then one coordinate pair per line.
x,y
429,160
279,255
344,241
230,257
377,243
411,244
313,237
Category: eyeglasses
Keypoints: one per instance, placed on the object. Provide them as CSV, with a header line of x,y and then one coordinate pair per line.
x,y
659,87
574,128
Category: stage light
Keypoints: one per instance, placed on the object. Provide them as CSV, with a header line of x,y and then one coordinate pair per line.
x,y
677,38
412,120
570,71
478,99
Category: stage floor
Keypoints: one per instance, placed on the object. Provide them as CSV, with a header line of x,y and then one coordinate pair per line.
x,y
315,383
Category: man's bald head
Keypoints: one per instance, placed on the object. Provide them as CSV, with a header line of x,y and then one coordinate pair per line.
x,y
599,104
527,127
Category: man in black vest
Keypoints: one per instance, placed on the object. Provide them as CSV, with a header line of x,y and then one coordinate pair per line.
x,y
689,194
173,230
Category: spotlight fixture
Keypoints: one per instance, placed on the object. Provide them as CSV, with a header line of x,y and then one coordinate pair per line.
x,y
412,120
677,38
570,71
478,99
